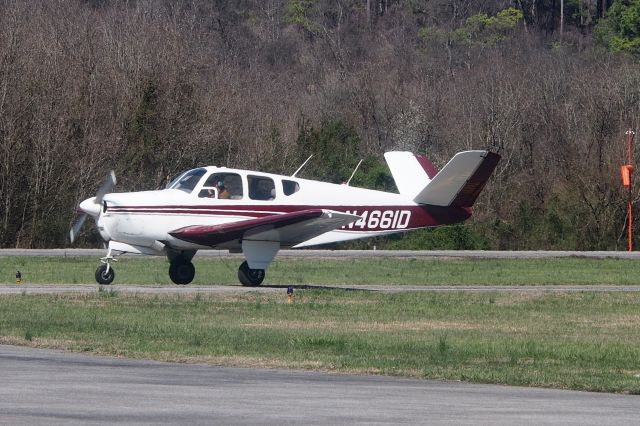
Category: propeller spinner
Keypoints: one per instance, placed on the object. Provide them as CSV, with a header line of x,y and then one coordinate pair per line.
x,y
92,206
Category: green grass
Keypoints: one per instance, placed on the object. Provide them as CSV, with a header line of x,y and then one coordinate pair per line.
x,y
587,341
148,270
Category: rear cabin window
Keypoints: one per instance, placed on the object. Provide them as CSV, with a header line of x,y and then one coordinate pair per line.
x,y
290,187
261,188
224,186
188,180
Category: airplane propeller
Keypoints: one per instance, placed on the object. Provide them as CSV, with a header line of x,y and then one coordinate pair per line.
x,y
92,206
75,229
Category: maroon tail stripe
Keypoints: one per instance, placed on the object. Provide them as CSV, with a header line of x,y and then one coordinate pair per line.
x,y
427,165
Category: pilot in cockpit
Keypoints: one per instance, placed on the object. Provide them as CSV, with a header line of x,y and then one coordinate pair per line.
x,y
223,194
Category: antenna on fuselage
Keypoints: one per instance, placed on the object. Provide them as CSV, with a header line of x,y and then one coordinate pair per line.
x,y
354,172
303,164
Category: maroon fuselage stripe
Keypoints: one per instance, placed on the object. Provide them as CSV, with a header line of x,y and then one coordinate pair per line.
x,y
421,216
211,235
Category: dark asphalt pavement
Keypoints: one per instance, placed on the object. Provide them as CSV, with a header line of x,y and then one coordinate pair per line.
x,y
49,387
469,254
275,288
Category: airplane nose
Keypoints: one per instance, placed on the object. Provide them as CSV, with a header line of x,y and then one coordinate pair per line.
x,y
90,207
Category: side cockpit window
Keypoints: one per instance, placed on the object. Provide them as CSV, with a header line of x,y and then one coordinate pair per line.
x,y
224,186
188,180
290,187
261,188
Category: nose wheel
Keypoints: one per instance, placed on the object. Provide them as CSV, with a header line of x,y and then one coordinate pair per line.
x,y
105,274
250,277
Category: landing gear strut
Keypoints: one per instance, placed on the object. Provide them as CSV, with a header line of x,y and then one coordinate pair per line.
x,y
105,273
250,277
181,271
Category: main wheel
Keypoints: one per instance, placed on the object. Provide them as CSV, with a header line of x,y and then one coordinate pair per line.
x,y
182,271
250,277
103,276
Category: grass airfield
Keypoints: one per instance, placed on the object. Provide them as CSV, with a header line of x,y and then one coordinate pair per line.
x,y
346,271
578,340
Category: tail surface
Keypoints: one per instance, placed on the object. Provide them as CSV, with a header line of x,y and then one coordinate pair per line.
x,y
458,184
410,172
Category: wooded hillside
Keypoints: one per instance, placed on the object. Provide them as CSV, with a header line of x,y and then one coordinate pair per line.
x,y
151,88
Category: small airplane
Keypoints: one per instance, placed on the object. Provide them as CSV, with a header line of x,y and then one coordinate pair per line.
x,y
257,214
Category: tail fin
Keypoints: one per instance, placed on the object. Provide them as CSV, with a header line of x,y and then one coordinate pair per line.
x,y
410,172
458,184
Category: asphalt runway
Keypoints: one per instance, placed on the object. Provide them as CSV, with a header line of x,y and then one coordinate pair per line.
x,y
6,289
468,254
51,387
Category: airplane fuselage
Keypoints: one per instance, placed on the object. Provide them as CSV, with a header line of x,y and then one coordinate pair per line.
x,y
142,218
260,213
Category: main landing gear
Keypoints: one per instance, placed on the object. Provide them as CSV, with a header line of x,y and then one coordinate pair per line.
x,y
181,271
250,277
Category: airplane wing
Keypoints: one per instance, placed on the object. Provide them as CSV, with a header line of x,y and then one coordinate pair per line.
x,y
288,229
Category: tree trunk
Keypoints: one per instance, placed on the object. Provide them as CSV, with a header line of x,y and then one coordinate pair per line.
x,y
561,19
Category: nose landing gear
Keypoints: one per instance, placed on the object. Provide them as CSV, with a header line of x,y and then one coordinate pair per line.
x,y
105,273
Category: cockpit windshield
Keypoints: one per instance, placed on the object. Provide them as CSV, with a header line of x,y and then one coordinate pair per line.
x,y
188,180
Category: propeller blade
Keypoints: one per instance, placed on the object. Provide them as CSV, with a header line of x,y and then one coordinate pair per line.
x,y
75,229
92,206
106,186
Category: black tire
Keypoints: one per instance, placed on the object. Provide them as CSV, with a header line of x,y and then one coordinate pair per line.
x,y
103,276
182,271
250,277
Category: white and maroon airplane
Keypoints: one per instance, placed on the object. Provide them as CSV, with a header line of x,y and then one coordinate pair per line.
x,y
260,213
